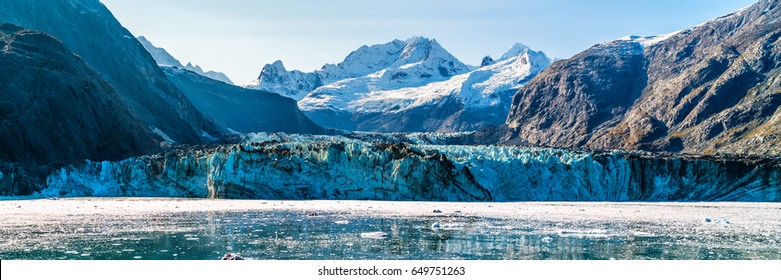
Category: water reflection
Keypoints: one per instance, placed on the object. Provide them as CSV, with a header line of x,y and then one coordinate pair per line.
x,y
300,235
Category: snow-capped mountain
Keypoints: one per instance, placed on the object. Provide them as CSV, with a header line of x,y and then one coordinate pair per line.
x,y
163,58
414,62
294,84
468,101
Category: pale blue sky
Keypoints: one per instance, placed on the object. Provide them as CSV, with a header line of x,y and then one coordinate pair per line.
x,y
238,37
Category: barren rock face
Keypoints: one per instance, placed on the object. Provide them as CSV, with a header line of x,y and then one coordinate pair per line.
x,y
54,109
238,109
714,88
573,98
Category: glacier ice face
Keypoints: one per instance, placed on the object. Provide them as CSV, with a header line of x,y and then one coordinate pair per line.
x,y
278,166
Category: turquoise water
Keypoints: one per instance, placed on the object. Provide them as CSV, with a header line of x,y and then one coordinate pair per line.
x,y
290,234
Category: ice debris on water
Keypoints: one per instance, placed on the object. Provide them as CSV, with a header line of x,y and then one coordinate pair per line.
x,y
717,221
232,257
584,233
374,235
450,226
547,239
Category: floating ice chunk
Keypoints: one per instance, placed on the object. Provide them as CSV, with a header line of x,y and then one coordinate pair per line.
x,y
547,239
342,222
451,226
717,221
584,233
232,257
374,235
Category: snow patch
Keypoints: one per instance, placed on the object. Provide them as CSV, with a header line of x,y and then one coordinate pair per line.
x,y
374,235
208,136
234,132
162,134
648,41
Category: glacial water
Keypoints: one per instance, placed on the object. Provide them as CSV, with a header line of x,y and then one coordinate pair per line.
x,y
162,229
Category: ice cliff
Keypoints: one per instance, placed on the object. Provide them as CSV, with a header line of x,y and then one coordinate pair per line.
x,y
328,167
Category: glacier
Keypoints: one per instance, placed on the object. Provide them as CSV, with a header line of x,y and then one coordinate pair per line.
x,y
375,167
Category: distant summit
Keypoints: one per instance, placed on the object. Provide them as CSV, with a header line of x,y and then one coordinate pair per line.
x,y
163,58
413,62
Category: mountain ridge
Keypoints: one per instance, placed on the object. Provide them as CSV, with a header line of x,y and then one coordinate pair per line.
x,y
90,30
710,89
164,58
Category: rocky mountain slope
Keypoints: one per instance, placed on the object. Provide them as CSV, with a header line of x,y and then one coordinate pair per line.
x,y
54,109
163,58
234,109
713,88
240,110
89,30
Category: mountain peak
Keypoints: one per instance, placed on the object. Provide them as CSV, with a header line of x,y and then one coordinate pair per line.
x,y
160,55
487,60
278,65
514,51
416,49
416,39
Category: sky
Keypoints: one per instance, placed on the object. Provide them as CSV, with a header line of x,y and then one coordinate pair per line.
x,y
238,37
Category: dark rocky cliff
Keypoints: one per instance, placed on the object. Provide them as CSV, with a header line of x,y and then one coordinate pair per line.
x,y
54,109
90,31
